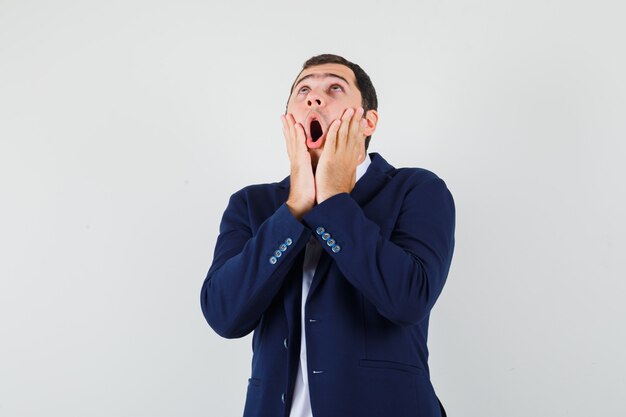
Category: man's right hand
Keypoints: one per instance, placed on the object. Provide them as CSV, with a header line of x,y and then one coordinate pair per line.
x,y
302,187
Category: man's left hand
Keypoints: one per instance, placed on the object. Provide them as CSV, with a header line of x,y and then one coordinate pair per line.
x,y
343,151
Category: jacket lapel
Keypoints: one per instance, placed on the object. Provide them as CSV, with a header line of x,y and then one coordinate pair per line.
x,y
372,181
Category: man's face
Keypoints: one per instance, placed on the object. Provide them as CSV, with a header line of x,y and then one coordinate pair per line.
x,y
320,96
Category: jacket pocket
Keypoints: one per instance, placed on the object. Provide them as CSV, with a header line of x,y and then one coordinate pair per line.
x,y
398,366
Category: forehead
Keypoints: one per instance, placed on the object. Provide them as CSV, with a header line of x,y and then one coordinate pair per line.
x,y
337,69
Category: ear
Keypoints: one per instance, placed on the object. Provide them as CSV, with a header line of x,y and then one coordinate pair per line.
x,y
372,120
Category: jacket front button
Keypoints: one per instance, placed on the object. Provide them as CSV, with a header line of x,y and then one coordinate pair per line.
x,y
286,343
282,398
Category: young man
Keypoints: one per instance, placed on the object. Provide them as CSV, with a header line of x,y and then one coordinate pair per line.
x,y
336,267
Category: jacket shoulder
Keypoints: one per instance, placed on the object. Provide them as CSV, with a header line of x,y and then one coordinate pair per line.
x,y
411,177
261,190
257,202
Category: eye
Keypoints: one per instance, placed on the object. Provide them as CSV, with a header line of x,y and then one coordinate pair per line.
x,y
303,89
336,87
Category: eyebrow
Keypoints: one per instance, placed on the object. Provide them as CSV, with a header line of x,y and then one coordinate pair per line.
x,y
322,75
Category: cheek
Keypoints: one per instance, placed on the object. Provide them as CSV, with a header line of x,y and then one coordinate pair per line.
x,y
294,107
291,104
335,112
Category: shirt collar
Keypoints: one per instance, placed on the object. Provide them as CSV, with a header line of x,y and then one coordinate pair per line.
x,y
362,167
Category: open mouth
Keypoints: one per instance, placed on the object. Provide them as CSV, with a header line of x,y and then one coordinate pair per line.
x,y
316,130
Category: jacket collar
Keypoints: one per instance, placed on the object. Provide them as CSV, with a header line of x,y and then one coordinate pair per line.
x,y
376,176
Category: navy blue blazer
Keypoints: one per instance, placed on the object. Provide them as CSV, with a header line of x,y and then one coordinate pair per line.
x,y
387,250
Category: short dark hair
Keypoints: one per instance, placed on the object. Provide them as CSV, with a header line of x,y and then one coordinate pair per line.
x,y
369,101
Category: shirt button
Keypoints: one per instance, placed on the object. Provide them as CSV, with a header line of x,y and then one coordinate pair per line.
x,y
273,260
336,248
286,343
320,230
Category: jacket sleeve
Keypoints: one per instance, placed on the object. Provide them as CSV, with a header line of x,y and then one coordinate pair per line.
x,y
403,275
248,268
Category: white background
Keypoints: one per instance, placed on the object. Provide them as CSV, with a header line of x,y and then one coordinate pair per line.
x,y
126,125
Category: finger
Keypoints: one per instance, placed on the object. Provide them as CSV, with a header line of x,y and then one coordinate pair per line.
x,y
363,126
290,129
354,136
342,135
300,136
331,136
291,136
286,135
283,120
292,125
297,132
361,141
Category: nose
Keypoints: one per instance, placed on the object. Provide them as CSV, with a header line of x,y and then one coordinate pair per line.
x,y
314,99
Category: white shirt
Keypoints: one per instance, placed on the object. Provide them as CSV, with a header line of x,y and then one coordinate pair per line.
x,y
301,403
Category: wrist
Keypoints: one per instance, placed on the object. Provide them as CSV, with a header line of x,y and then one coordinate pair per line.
x,y
297,210
326,194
